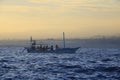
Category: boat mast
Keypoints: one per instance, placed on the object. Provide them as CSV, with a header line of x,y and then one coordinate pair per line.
x,y
31,40
64,39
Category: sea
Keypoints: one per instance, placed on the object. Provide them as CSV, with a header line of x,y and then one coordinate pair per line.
x,y
90,62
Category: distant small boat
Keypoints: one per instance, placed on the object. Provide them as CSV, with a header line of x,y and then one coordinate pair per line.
x,y
43,48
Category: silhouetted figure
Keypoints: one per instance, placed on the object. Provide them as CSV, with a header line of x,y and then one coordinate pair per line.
x,y
43,48
51,47
40,48
56,46
46,47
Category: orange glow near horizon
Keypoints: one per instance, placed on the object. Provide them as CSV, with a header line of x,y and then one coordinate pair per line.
x,y
43,19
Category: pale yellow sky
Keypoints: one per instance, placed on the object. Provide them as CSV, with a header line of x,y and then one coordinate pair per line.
x,y
43,19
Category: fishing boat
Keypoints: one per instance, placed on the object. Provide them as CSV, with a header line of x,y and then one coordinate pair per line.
x,y
44,48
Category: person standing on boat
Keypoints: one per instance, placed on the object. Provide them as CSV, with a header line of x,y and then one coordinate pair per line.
x,y
46,47
40,48
56,46
51,47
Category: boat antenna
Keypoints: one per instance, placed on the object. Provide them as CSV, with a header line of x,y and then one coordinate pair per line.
x,y
64,39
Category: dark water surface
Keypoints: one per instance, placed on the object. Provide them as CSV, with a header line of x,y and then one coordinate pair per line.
x,y
86,64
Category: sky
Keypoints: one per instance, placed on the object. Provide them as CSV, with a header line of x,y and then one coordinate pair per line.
x,y
42,19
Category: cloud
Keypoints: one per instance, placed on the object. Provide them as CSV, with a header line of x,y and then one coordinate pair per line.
x,y
60,7
14,8
38,1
